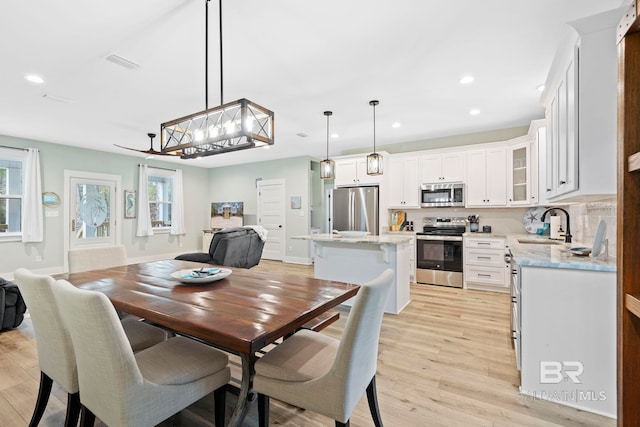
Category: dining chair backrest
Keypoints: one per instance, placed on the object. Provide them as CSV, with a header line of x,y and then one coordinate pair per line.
x,y
85,259
55,349
106,363
357,355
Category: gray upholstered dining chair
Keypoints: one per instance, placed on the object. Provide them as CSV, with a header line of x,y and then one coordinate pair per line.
x,y
320,373
55,351
142,389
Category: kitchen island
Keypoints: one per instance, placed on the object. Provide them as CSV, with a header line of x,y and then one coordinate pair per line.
x,y
359,260
564,324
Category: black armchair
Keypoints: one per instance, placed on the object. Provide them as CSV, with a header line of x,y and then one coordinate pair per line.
x,y
12,306
232,247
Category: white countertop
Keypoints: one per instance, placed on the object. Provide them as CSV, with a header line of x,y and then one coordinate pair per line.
x,y
376,240
556,255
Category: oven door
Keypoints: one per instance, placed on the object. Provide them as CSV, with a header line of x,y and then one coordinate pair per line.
x,y
439,253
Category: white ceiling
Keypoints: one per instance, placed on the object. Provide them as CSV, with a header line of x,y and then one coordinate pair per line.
x,y
297,58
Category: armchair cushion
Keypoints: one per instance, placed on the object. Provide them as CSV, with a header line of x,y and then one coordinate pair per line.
x,y
232,247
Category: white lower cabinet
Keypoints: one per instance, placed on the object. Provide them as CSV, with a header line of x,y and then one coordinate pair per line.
x,y
568,337
411,259
484,264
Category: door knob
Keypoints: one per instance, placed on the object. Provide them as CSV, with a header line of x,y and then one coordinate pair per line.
x,y
279,226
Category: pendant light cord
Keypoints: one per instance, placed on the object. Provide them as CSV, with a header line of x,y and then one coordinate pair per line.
x,y
221,89
328,113
373,104
206,54
327,136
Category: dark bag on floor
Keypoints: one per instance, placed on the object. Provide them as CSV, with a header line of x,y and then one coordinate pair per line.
x,y
12,306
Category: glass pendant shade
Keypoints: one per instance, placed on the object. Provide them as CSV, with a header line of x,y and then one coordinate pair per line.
x,y
374,160
327,169
327,166
374,164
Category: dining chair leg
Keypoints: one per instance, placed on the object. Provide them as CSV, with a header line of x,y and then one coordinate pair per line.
x,y
220,402
43,397
73,410
87,418
372,398
263,410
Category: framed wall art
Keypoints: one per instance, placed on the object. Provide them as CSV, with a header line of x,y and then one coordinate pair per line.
x,y
129,203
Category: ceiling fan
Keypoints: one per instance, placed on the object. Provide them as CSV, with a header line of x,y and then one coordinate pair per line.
x,y
151,151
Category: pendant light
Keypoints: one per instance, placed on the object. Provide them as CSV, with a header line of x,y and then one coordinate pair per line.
x,y
232,126
327,166
374,160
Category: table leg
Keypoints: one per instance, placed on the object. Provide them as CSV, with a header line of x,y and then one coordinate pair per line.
x,y
246,395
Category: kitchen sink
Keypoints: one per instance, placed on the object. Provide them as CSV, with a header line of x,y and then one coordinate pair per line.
x,y
539,242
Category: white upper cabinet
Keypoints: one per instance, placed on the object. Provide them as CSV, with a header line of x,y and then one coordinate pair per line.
x,y
520,174
580,99
446,167
486,183
352,171
404,183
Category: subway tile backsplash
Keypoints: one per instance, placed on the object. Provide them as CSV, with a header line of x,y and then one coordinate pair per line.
x,y
585,218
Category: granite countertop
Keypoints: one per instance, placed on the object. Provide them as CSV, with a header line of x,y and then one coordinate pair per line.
x,y
376,240
555,255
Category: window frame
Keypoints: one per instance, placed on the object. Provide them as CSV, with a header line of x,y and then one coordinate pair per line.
x,y
167,175
13,155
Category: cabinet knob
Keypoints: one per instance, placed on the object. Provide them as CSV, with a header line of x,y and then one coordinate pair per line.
x,y
563,182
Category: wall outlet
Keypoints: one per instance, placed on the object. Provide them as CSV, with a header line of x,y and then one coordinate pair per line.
x,y
38,258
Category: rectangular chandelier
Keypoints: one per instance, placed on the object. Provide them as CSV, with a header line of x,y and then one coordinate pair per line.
x,y
234,126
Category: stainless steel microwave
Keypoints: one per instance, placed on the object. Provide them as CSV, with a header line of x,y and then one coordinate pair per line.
x,y
442,195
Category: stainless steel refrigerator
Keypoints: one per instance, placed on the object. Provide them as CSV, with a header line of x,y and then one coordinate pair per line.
x,y
355,209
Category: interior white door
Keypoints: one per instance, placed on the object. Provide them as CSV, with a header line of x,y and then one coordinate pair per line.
x,y
271,215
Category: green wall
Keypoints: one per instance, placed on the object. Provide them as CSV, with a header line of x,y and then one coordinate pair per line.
x,y
239,183
55,158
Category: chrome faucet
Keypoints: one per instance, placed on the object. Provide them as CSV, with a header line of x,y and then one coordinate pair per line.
x,y
567,235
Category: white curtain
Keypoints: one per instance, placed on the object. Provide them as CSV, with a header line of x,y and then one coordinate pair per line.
x,y
144,215
177,205
32,223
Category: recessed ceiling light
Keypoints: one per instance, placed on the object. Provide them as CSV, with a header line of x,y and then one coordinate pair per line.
x,y
540,88
34,78
396,125
474,112
466,80
335,135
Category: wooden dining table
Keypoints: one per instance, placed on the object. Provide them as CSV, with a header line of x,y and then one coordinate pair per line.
x,y
241,313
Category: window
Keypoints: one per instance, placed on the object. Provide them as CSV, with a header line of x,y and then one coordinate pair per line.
x,y
10,192
160,190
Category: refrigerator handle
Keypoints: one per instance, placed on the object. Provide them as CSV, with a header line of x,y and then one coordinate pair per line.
x,y
352,200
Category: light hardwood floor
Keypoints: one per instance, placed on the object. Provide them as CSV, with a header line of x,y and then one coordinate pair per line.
x,y
446,360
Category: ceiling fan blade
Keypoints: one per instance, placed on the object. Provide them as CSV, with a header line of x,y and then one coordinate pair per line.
x,y
151,151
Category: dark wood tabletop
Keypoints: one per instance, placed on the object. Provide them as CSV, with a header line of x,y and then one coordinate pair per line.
x,y
241,313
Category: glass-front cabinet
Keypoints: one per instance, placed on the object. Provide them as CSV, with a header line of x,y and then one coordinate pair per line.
x,y
520,174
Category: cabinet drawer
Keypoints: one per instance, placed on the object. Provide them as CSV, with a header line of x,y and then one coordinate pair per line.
x,y
489,275
484,257
480,243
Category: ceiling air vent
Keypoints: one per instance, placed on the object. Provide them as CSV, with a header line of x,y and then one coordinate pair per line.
x,y
122,61
57,98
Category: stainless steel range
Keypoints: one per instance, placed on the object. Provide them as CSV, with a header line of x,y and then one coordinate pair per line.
x,y
439,251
